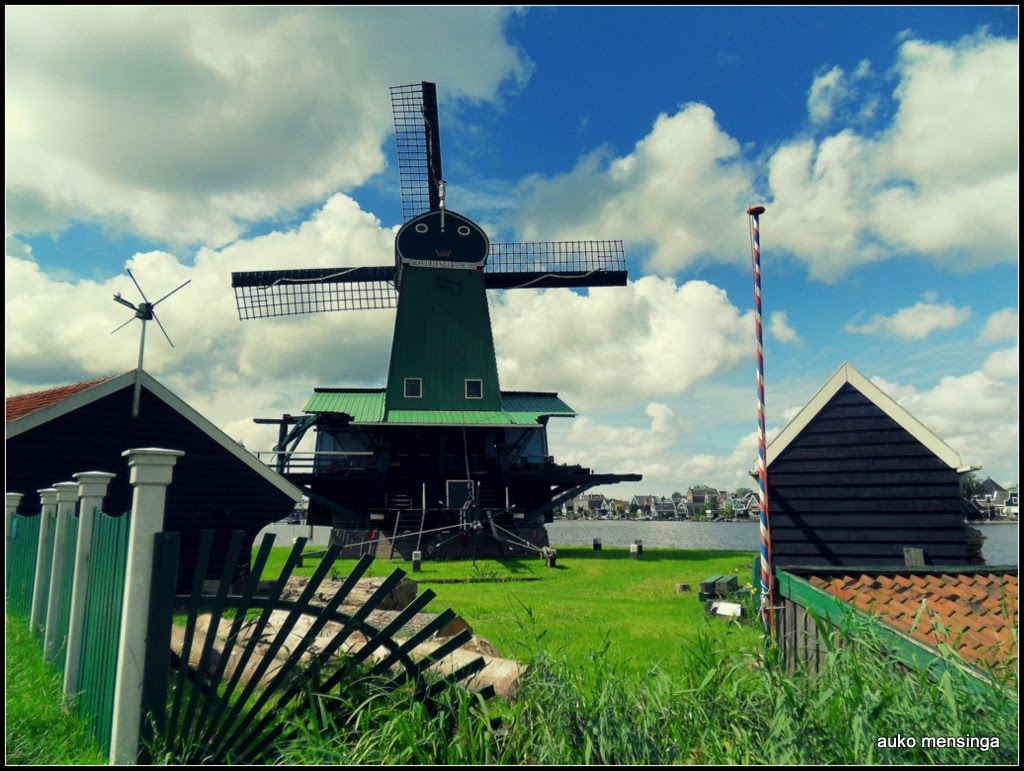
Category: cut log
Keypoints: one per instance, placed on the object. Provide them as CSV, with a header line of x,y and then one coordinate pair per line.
x,y
502,674
400,597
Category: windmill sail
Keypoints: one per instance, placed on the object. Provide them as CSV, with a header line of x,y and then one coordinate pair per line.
x,y
262,294
388,460
547,264
418,142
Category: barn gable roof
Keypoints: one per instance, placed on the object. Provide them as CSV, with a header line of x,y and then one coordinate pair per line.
x,y
28,411
846,374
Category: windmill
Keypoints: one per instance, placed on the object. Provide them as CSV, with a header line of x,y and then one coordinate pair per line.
x,y
441,444
145,311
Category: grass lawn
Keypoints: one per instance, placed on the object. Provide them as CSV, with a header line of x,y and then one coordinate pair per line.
x,y
39,731
592,598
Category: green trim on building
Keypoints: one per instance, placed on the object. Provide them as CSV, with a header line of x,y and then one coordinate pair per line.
x,y
535,403
449,417
518,408
361,405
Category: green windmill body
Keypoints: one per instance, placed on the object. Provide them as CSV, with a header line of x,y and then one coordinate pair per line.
x,y
442,355
440,460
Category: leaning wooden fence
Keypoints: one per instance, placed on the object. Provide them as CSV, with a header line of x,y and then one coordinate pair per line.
x,y
223,683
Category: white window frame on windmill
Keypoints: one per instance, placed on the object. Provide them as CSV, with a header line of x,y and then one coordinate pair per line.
x,y
479,381
463,489
409,381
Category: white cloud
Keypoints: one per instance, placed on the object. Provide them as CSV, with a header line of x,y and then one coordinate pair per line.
x,y
914,323
836,94
923,185
617,345
825,91
228,369
778,325
1001,325
683,190
977,413
186,124
941,181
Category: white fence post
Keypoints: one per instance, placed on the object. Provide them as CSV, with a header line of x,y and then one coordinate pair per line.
x,y
44,554
67,495
92,487
13,499
150,476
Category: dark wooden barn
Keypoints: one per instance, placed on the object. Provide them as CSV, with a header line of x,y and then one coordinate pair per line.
x,y
855,479
217,484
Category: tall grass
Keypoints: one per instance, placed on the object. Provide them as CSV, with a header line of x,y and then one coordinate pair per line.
x,y
714,709
39,731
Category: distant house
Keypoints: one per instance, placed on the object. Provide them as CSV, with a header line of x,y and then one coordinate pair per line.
x,y
750,505
644,502
217,484
663,509
990,501
855,479
698,496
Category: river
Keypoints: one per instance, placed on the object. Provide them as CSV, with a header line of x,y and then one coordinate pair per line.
x,y
1000,548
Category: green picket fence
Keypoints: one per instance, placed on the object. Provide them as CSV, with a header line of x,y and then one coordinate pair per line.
x,y
22,552
101,635
66,552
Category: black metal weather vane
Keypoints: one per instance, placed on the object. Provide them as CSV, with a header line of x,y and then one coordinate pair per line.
x,y
145,311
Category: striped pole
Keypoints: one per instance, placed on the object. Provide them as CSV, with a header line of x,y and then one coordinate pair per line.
x,y
767,588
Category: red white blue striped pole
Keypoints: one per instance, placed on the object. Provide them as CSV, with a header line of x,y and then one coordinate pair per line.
x,y
767,584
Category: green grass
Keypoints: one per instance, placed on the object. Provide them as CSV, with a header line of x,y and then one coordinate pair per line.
x,y
39,730
712,709
590,600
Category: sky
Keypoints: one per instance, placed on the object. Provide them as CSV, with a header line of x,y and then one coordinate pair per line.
x,y
187,143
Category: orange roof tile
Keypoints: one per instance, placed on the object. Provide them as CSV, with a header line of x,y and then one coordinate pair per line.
x,y
25,404
975,614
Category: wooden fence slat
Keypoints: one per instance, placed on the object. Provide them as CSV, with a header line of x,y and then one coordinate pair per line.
x,y
293,559
241,610
198,578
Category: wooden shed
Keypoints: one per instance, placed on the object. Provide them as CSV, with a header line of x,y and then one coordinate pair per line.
x,y
217,484
856,480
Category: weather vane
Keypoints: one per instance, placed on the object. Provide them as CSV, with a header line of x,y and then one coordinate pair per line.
x,y
144,311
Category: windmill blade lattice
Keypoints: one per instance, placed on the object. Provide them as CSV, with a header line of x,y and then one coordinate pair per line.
x,y
418,143
546,264
266,293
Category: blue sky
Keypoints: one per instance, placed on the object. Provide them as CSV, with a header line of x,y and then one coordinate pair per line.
x,y
186,143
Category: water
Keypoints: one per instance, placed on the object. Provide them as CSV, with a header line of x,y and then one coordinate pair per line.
x,y
1001,545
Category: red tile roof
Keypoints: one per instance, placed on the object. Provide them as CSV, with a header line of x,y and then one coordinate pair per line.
x,y
976,614
25,404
